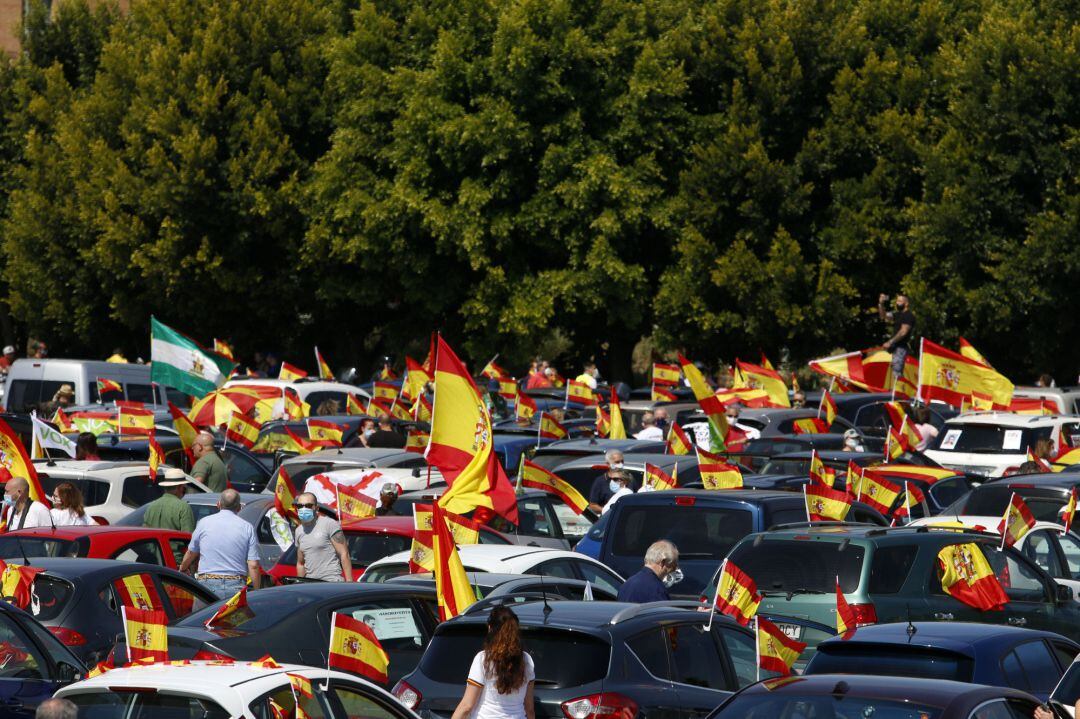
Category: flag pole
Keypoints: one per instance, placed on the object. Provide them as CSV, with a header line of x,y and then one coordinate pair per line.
x,y
806,505
539,426
757,646
330,651
719,581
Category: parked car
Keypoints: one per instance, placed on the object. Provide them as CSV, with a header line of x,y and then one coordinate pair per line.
x,y
302,466
292,624
34,663
312,392
78,600
989,443
518,587
1044,494
1002,656
848,695
1067,692
32,382
553,455
248,472
242,690
597,659
1066,400
756,452
510,560
164,547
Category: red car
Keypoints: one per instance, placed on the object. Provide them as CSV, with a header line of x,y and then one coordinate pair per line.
x,y
372,539
163,547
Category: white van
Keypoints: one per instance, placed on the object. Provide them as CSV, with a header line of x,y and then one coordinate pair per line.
x,y
31,382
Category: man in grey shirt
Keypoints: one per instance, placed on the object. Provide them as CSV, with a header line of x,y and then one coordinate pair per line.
x,y
322,552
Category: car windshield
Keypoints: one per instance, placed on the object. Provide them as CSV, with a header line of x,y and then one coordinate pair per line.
x,y
988,438
801,566
562,659
990,501
700,532
766,706
889,660
120,704
19,547
265,609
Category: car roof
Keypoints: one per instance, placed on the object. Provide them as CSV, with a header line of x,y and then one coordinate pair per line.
x,y
938,692
833,455
758,496
960,637
597,445
633,460
404,525
82,566
346,454
1064,480
486,579
71,532
874,532
479,557
775,414
1010,419
322,590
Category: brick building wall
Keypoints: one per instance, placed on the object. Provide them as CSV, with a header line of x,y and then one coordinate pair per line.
x,y
10,17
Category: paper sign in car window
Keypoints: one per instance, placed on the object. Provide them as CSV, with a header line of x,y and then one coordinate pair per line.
x,y
1012,439
389,623
951,438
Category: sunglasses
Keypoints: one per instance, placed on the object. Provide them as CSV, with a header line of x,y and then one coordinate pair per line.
x,y
305,506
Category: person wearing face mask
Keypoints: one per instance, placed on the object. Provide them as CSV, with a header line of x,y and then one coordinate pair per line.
x,y
225,549
67,509
387,496
322,552
903,320
367,428
620,478
851,441
20,511
652,581
661,416
604,486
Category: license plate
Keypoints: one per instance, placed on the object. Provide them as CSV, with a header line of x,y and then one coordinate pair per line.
x,y
791,631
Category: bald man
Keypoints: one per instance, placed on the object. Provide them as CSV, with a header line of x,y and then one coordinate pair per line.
x,y
224,548
209,467
20,511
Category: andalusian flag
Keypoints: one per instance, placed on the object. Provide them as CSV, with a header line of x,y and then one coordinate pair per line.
x,y
353,505
145,631
290,373
825,503
618,429
1017,522
178,361
717,473
751,376
156,456
657,479
324,433
354,648
233,612
665,374
452,588
678,442
971,353
138,591
710,404
736,594
242,430
536,477
524,406
968,577
462,443
776,652
845,615
14,459
285,496
324,368
950,377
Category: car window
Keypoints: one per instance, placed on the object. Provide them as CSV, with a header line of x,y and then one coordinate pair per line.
x,y
19,658
1070,549
555,568
367,548
743,653
651,650
359,703
396,626
1014,673
1039,547
137,704
997,709
57,651
1020,580
281,703
386,571
793,564
534,519
54,595
695,657
990,500
898,660
16,547
700,532
489,537
147,551
1038,665
599,577
139,393
1068,690
988,438
242,468
1064,652
183,600
137,491
947,491
178,547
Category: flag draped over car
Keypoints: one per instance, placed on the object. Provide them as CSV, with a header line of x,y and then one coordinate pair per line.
x,y
968,577
180,362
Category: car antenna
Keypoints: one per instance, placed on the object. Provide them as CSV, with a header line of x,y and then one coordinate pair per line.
x,y
22,550
911,628
543,593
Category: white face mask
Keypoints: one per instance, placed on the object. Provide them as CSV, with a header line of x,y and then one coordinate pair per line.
x,y
616,465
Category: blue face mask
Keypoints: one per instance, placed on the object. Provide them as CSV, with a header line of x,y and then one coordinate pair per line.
x,y
306,514
613,485
661,423
8,500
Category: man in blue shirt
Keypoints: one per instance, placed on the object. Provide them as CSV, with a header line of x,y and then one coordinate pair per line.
x,y
661,559
225,548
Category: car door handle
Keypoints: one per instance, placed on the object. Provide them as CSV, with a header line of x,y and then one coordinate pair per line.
x,y
1017,621
943,616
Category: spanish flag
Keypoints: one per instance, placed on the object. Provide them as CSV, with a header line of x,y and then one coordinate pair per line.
x,y
825,503
101,667
819,473
493,371
107,386
896,414
1069,512
353,505
968,577
950,377
618,429
223,349
845,367
137,590
295,408
146,633
657,479
353,406
984,403
845,615
665,374
716,473
265,662
580,393
354,648
290,373
765,362
508,388
878,492
659,394
971,353
134,418
550,428
285,496
912,496
810,425
536,477
603,422
751,376
1017,522
854,479
776,653
324,368
17,583
452,588
422,409
156,457
14,459
324,433
462,443
416,377
242,430
185,430
1024,405
524,406
422,557
417,441
894,446
736,594
233,612
63,422
828,407
677,441
294,443
301,686
384,390
710,404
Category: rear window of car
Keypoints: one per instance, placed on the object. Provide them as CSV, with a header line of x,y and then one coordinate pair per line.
x,y
700,532
562,659
990,501
888,660
988,438
19,547
267,608
137,704
386,571
53,595
137,491
797,565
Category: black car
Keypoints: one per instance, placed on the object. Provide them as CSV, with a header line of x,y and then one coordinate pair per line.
x,y
491,584
557,453
292,624
849,695
597,658
33,663
79,599
247,471
1044,494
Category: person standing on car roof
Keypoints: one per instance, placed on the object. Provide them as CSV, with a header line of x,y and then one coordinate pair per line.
x,y
322,551
170,511
21,512
604,486
385,437
225,549
209,468
651,582
502,675
903,320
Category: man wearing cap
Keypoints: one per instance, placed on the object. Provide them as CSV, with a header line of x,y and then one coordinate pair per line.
x,y
322,552
225,549
8,359
170,511
20,511
387,496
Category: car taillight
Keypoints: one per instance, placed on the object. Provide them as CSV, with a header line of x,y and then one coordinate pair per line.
x,y
864,614
684,501
207,655
407,694
69,637
607,704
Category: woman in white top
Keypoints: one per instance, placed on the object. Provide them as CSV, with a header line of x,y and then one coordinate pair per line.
x,y
618,477
67,508
500,683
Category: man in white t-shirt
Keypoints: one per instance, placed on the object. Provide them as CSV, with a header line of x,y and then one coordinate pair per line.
x,y
21,512
649,429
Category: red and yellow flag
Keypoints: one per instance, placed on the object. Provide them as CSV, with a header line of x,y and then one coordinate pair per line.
x,y
285,496
810,425
416,378
845,615
146,633
242,430
894,446
384,390
819,473
290,373
223,349
14,459
294,443
1017,522
912,496
678,442
659,394
580,393
185,430
828,408
751,376
63,422
156,457
950,377
354,648
233,612
536,477
493,371
134,418
462,443
417,441
301,686
353,505
618,429
295,408
825,503
452,588
603,422
665,374
551,428
422,557
1069,512
716,473
353,405
968,577
324,367
878,492
138,590
776,652
657,479
845,367
710,404
765,362
525,406
324,433
105,386
971,353
17,582
853,480
736,594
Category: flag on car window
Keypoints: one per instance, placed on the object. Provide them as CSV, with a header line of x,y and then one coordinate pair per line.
x,y
825,503
551,428
828,408
146,634
1069,512
810,425
107,386
661,394
384,390
134,418
156,456
716,473
1017,522
894,446
138,591
913,496
776,652
665,374
580,393
819,473
422,556
677,441
736,594
242,430
324,433
354,648
17,583
524,406
656,479
536,477
416,378
853,480
301,686
285,496
233,612
417,441
877,491
603,422
968,577
291,373
353,505
353,405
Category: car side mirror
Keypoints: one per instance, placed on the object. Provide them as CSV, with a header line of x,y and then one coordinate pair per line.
x,y
1064,594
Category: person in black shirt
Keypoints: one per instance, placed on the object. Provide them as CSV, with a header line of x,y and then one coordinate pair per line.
x,y
903,329
385,437
387,496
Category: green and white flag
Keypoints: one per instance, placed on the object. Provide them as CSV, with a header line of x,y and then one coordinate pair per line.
x,y
178,361
45,437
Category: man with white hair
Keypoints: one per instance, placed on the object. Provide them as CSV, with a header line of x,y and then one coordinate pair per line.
x,y
604,486
209,468
649,429
648,585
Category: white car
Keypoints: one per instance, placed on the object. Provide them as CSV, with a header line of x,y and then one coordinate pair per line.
x,y
111,490
302,466
369,482
989,443
213,691
1046,544
510,559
